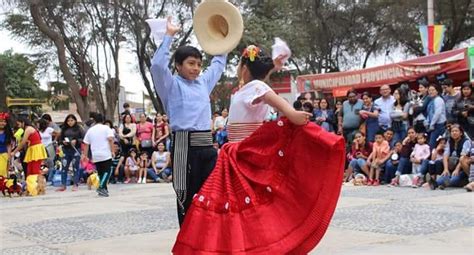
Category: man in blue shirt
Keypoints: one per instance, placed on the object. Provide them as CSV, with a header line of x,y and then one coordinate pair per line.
x,y
186,100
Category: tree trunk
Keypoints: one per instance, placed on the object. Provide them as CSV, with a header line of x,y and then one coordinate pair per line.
x,y
81,103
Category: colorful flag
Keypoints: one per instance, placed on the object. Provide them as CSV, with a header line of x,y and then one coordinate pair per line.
x,y
432,38
470,52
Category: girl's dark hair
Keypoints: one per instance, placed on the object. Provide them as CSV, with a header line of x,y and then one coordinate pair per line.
x,y
440,139
260,67
25,121
65,126
403,97
455,125
437,87
143,153
43,124
125,116
366,93
466,84
8,133
109,123
47,117
183,52
327,103
130,151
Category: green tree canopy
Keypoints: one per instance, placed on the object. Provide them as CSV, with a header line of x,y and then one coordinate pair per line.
x,y
19,75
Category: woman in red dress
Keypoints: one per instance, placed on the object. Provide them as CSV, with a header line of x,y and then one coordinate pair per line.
x,y
275,186
35,153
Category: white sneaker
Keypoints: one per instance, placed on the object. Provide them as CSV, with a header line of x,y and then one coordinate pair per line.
x,y
140,180
144,181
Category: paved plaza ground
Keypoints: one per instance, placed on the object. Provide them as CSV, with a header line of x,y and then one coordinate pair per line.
x,y
140,219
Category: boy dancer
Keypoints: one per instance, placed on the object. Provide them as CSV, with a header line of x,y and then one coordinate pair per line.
x,y
186,100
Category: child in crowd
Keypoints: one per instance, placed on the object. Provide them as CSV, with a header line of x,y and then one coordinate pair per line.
x,y
143,164
131,165
392,163
380,150
116,168
421,152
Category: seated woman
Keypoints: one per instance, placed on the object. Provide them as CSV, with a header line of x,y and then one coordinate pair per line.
x,y
361,150
161,162
324,116
455,161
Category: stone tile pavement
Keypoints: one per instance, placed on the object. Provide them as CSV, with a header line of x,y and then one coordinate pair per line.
x,y
140,219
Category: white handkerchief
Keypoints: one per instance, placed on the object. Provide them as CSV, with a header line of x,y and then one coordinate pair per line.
x,y
280,48
158,28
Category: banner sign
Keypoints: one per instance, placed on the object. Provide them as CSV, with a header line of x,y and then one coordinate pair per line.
x,y
446,62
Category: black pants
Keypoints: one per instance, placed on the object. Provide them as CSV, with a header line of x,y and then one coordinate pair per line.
x,y
104,170
201,162
436,168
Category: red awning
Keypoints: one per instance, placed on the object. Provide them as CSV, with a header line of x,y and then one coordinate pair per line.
x,y
453,62
281,84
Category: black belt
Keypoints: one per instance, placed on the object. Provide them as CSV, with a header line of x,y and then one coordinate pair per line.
x,y
182,141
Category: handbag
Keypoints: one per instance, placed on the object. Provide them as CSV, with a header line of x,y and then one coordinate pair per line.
x,y
452,163
146,143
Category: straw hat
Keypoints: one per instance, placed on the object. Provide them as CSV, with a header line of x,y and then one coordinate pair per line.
x,y
218,26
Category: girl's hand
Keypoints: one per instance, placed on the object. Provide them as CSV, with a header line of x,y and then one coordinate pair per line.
x,y
455,172
278,62
171,29
445,173
299,117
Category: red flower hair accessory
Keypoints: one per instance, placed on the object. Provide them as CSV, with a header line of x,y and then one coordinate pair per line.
x,y
251,52
4,116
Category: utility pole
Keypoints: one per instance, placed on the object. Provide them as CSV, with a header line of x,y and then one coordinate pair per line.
x,y
430,13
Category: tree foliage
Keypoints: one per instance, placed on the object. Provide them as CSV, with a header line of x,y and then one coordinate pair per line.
x,y
19,75
328,36
85,38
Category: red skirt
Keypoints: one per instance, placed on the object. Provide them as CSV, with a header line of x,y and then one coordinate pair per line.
x,y
273,193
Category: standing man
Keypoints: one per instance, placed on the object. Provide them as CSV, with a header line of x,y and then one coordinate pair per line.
x,y
100,138
186,99
349,119
385,105
450,97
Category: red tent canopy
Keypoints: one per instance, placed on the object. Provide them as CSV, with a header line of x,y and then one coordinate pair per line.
x,y
453,62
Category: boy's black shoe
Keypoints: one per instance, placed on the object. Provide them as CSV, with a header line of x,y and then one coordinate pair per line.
x,y
102,192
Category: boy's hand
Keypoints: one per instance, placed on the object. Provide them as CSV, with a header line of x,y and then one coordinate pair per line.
x,y
171,29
